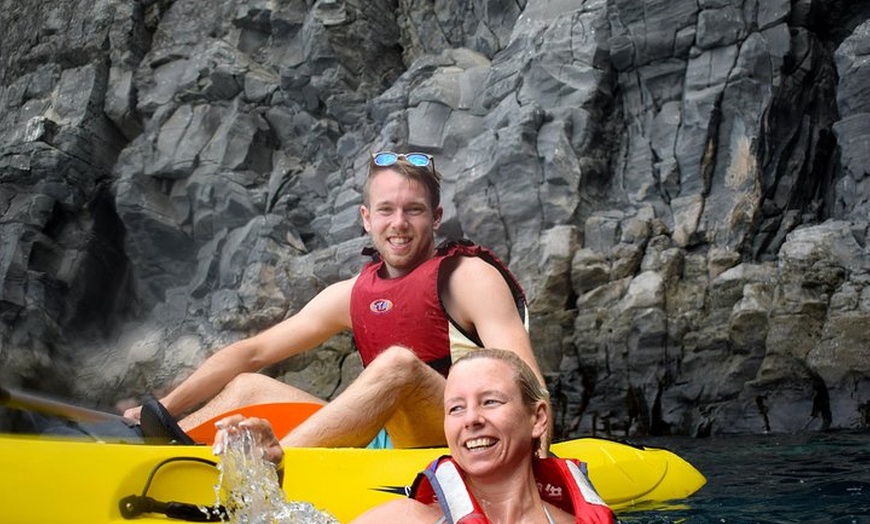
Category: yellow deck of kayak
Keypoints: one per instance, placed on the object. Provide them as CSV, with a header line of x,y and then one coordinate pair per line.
x,y
61,481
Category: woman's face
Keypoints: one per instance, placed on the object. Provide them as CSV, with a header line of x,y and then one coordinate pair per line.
x,y
489,429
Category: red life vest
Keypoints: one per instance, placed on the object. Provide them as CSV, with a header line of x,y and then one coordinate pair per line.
x,y
407,310
563,483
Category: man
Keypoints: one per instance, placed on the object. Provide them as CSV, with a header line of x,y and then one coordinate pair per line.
x,y
401,330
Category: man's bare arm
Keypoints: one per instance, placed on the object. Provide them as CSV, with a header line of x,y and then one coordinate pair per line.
x,y
325,315
478,297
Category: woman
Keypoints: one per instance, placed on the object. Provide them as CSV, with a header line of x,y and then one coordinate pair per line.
x,y
494,417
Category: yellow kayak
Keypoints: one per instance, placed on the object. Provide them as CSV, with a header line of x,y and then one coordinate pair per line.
x,y
46,481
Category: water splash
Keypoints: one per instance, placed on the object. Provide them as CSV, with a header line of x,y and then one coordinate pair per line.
x,y
248,487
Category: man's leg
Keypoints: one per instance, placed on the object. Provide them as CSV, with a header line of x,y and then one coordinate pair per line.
x,y
397,391
244,390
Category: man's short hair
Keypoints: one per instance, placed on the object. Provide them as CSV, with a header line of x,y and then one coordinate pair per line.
x,y
426,175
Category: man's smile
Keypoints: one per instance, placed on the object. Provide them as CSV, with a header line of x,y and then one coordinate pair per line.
x,y
399,241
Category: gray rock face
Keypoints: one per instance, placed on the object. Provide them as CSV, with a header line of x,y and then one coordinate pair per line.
x,y
682,187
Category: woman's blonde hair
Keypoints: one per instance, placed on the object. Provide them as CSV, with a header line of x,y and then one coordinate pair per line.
x,y
531,389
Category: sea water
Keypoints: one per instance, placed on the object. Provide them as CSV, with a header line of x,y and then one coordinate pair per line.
x,y
249,490
766,479
762,479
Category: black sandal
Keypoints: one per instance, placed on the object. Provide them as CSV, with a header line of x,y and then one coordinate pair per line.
x,y
159,427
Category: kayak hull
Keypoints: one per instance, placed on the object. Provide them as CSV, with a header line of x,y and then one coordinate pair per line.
x,y
64,481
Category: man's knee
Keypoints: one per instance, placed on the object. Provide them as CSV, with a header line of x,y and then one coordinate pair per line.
x,y
247,386
398,365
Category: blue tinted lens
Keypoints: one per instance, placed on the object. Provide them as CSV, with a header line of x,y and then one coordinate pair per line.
x,y
418,159
385,159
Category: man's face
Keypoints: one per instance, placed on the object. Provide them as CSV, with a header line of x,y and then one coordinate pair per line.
x,y
400,220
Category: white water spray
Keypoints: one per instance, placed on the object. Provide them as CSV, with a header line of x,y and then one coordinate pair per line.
x,y
248,487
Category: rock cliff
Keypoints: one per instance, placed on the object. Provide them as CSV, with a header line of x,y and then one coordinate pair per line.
x,y
682,186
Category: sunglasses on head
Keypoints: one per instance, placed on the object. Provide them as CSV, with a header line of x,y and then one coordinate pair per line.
x,y
388,158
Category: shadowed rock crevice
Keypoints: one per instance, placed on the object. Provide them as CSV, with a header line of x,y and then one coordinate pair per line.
x,y
799,150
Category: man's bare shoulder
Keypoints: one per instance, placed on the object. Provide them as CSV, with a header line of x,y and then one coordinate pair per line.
x,y
469,288
344,286
468,269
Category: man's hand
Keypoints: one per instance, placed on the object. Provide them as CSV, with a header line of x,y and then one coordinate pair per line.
x,y
265,441
134,414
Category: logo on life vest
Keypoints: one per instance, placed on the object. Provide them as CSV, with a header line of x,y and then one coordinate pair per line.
x,y
552,492
381,306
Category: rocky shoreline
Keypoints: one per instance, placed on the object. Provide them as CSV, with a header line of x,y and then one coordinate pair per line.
x,y
681,186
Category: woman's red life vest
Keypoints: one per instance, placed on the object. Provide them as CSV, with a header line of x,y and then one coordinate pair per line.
x,y
407,310
563,483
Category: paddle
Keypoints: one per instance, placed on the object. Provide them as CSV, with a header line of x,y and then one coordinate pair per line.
x,y
284,416
17,399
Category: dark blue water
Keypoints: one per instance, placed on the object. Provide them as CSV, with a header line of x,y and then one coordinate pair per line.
x,y
807,478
